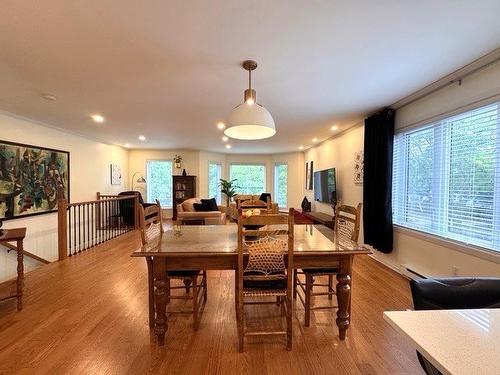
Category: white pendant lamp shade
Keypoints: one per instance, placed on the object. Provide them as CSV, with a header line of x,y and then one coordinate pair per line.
x,y
250,120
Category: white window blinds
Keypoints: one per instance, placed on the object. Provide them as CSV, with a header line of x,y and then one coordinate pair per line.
x,y
446,178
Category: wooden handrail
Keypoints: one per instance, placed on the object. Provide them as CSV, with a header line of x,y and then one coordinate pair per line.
x,y
11,247
83,225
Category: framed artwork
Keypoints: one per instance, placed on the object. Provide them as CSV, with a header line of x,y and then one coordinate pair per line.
x,y
116,174
32,179
311,172
307,176
358,167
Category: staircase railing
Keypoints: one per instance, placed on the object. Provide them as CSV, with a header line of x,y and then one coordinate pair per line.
x,y
83,225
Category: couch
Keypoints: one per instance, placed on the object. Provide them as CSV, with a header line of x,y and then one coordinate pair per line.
x,y
249,201
186,213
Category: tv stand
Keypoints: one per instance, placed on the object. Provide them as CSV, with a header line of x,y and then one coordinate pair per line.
x,y
318,218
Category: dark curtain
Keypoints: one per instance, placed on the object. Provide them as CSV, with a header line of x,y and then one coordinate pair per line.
x,y
377,183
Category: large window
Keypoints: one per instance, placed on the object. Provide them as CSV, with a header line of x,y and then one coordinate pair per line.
x,y
446,178
281,184
251,178
159,182
214,176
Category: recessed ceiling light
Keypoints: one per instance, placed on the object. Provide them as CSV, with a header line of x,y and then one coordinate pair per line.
x,y
225,139
228,146
334,127
221,125
301,147
315,140
142,138
98,118
127,145
49,97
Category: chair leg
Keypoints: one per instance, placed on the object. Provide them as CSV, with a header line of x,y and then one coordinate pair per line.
x,y
236,294
288,300
187,283
307,311
205,289
241,325
295,283
282,305
330,286
278,300
195,287
168,290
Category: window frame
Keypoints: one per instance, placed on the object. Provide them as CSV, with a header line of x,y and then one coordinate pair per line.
x,y
439,232
218,197
249,164
148,198
275,184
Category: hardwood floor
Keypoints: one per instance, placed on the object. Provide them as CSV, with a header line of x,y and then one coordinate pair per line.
x,y
89,315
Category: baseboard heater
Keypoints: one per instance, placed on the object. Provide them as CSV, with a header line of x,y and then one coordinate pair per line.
x,y
411,273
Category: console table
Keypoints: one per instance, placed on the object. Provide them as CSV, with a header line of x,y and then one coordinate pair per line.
x,y
316,218
15,235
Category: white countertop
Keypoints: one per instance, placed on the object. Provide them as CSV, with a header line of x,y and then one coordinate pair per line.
x,y
454,341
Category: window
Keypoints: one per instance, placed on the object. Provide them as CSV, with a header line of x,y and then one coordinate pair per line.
x,y
251,178
446,178
214,176
281,184
159,182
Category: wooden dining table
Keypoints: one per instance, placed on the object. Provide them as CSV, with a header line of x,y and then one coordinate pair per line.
x,y
214,247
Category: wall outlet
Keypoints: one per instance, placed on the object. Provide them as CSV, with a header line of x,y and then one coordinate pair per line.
x,y
454,270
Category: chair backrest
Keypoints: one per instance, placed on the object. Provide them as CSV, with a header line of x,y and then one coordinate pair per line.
x,y
266,246
347,222
133,192
151,223
255,203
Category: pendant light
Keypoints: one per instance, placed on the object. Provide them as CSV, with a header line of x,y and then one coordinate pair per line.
x,y
250,120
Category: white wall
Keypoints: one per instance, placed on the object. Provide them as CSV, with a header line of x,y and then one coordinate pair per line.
x,y
89,173
426,255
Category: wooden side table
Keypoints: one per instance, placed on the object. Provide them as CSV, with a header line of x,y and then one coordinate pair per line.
x,y
16,235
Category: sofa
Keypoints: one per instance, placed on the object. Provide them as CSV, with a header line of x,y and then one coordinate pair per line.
x,y
186,213
250,201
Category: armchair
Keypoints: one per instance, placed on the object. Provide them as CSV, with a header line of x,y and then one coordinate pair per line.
x,y
250,201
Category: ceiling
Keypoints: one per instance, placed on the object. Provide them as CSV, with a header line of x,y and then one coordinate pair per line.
x,y
170,70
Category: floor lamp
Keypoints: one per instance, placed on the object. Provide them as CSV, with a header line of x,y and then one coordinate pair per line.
x,y
140,180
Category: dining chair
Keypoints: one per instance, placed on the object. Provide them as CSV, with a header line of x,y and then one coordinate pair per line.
x,y
453,293
151,225
347,223
266,239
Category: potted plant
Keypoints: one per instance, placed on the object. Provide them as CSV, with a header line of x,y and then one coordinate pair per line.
x,y
177,161
228,188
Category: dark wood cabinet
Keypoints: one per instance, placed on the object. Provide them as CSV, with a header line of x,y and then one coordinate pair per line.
x,y
183,187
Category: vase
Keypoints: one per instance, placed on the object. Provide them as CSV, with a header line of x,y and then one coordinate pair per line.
x,y
184,173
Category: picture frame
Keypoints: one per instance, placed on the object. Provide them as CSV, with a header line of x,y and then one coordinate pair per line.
x,y
116,174
32,179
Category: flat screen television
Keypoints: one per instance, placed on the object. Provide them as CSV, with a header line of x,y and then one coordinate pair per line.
x,y
325,189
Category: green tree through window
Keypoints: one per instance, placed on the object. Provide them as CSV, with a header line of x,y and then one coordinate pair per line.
x,y
251,178
159,182
281,184
214,175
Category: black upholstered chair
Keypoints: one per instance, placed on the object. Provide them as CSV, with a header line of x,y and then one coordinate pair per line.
x,y
127,207
453,293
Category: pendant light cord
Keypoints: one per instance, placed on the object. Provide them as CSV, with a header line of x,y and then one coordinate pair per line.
x,y
249,79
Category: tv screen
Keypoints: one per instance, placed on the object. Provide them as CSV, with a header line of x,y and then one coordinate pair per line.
x,y
325,186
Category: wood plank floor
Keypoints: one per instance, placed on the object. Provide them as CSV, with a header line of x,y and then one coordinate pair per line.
x,y
88,315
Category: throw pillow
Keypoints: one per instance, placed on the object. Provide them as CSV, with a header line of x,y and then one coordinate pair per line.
x,y
264,196
212,203
201,207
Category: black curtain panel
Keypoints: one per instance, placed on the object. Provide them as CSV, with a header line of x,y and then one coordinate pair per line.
x,y
377,185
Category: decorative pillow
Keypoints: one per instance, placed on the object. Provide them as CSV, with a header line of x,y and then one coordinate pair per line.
x,y
212,203
263,197
187,205
201,207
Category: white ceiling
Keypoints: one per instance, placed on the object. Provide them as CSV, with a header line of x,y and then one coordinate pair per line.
x,y
170,69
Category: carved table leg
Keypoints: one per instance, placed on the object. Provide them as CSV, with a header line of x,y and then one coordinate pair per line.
x,y
160,297
20,275
151,288
344,294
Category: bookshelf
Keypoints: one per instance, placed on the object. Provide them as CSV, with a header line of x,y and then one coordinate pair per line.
x,y
184,187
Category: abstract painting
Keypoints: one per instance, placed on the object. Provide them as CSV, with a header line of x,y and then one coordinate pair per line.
x,y
116,174
359,167
32,179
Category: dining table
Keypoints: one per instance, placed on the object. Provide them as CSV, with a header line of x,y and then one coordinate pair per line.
x,y
214,247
